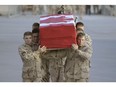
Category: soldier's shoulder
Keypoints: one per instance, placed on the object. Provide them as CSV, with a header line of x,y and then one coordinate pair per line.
x,y
86,45
88,48
23,46
87,35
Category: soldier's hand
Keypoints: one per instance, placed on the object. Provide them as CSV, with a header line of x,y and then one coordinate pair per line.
x,y
74,46
42,49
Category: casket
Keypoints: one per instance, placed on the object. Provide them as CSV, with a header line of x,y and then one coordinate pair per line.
x,y
57,31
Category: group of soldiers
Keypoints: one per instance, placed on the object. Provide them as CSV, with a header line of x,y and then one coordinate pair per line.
x,y
62,65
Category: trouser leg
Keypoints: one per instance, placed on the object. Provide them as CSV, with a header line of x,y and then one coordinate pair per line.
x,y
82,80
69,79
27,80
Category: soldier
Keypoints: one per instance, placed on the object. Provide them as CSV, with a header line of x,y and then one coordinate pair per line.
x,y
56,60
35,9
77,65
35,39
88,9
31,60
96,9
81,11
61,10
35,26
44,62
80,28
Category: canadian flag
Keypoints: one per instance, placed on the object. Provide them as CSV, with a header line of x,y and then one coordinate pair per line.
x,y
57,31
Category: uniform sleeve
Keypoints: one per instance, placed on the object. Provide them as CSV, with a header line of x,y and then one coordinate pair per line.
x,y
26,54
88,40
85,54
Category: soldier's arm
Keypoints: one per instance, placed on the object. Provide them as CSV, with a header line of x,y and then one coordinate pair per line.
x,y
88,40
27,55
85,54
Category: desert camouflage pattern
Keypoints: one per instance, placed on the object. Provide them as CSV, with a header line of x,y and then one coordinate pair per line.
x,y
32,70
77,65
88,40
56,64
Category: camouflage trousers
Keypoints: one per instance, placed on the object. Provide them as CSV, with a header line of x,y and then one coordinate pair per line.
x,y
56,70
28,80
57,76
76,80
44,79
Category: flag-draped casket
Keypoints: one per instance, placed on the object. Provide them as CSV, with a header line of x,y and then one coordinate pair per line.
x,y
57,31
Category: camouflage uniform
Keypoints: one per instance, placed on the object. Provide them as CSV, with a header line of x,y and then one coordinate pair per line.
x,y
31,64
56,64
43,63
35,46
88,40
77,65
